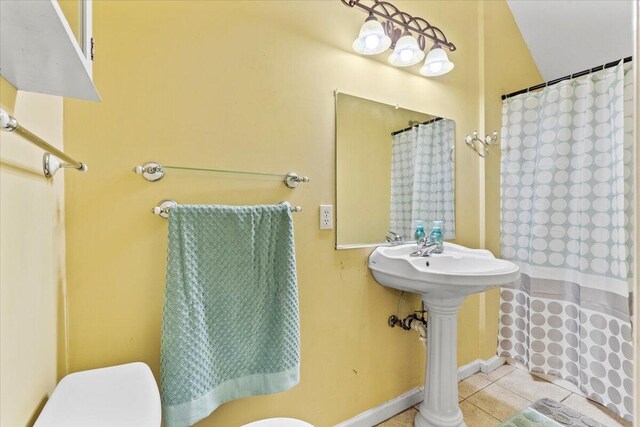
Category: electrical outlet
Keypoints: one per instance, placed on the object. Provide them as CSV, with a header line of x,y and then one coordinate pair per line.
x,y
326,217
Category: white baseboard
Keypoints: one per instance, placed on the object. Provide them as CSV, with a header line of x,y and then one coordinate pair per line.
x,y
385,411
401,403
465,371
480,365
492,364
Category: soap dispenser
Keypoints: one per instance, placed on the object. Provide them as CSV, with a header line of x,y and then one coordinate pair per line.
x,y
419,234
436,237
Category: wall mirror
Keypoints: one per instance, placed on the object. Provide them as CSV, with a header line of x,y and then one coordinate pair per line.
x,y
395,170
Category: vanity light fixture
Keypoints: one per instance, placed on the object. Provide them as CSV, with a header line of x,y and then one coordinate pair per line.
x,y
406,52
406,35
437,62
372,39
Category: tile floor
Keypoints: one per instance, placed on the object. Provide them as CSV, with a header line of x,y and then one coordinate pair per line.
x,y
488,399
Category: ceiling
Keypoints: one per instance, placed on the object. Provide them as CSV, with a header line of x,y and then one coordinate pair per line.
x,y
568,36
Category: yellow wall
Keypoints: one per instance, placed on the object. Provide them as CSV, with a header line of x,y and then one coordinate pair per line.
x,y
32,276
72,12
508,67
249,85
363,163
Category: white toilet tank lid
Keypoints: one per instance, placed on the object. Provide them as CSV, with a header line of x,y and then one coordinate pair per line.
x,y
278,422
124,395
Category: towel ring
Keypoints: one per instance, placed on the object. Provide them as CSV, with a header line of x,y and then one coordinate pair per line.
x,y
473,142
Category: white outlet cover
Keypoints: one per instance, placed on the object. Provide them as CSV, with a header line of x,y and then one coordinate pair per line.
x,y
326,217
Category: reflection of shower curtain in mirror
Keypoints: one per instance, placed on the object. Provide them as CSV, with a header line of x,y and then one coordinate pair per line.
x,y
422,179
567,198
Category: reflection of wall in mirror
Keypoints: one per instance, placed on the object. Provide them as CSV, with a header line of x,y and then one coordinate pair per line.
x,y
363,166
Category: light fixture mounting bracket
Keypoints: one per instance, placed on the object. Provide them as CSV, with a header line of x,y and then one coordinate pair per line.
x,y
397,23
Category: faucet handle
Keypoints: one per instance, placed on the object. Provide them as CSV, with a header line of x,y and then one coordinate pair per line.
x,y
393,237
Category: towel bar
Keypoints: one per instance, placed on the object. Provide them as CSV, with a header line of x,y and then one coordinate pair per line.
x,y
51,159
165,206
154,171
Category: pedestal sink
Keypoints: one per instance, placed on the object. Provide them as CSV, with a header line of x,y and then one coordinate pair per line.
x,y
444,281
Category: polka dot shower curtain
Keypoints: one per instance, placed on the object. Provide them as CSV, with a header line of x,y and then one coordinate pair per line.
x,y
422,179
566,200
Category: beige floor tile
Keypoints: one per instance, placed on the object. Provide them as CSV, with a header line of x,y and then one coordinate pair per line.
x,y
550,378
403,419
498,373
559,382
498,401
471,385
531,387
476,417
593,410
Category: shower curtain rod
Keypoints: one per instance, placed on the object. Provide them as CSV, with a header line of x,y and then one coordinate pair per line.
x,y
412,126
570,76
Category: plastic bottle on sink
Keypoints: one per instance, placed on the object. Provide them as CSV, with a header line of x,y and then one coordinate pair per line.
x,y
419,234
436,237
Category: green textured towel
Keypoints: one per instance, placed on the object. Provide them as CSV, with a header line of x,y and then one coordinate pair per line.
x,y
230,325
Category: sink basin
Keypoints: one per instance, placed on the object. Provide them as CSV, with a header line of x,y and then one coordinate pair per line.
x,y
444,281
458,271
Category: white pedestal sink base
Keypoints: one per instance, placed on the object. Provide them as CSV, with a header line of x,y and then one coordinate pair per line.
x,y
443,281
440,405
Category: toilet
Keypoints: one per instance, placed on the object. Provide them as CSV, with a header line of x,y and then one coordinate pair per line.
x,y
278,422
123,396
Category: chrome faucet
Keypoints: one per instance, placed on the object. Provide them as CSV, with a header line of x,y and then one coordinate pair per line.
x,y
394,238
426,248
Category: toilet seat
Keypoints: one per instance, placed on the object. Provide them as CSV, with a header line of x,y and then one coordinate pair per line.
x,y
278,422
124,395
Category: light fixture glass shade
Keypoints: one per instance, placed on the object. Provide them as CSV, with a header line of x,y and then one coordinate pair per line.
x,y
437,62
407,52
372,39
